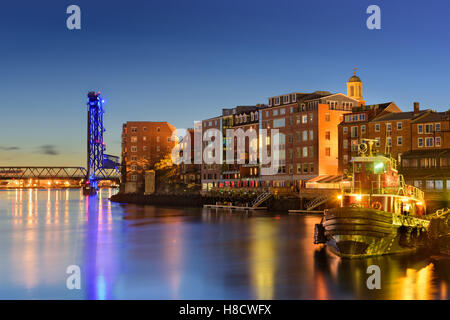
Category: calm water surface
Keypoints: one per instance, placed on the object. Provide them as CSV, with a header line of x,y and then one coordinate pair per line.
x,y
136,252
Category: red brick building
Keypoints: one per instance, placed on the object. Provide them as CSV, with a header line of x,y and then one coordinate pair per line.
x,y
144,143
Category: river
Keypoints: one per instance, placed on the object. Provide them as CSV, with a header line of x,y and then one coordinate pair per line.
x,y
145,252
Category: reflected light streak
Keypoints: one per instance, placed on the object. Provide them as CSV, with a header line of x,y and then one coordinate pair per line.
x,y
262,263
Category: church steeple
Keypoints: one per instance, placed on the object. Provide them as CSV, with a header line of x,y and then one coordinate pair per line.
x,y
355,87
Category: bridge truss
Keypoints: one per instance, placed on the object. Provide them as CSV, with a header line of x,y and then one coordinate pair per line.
x,y
53,173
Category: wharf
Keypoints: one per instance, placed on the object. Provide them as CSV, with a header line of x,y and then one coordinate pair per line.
x,y
224,206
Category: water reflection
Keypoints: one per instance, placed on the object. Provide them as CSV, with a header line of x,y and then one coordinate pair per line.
x,y
144,252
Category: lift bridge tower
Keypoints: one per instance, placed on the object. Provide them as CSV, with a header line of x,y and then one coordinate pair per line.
x,y
99,164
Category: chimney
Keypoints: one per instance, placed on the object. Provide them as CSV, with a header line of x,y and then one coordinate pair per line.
x,y
416,107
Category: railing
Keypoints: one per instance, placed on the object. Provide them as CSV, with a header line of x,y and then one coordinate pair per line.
x,y
69,173
381,187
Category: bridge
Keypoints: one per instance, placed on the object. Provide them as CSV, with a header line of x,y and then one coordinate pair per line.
x,y
53,173
100,166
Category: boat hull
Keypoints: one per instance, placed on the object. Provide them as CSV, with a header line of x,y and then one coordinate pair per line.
x,y
361,232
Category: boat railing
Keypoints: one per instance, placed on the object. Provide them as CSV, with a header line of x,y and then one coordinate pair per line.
x,y
381,187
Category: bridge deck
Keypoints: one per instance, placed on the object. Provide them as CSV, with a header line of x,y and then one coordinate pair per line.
x,y
67,173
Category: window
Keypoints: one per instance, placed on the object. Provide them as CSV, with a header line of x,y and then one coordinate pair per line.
x,y
305,135
327,117
345,158
267,113
428,128
448,184
438,184
362,117
363,129
133,177
311,117
133,168
388,127
277,101
377,144
310,151
282,111
327,135
305,152
293,97
419,128
429,142
298,119
144,138
133,139
275,112
418,184
430,184
133,129
133,158
437,126
305,119
133,149
279,123
290,138
158,148
399,125
311,134
377,127
354,133
345,129
327,152
158,129
299,136
438,141
345,144
299,168
399,141
420,142
157,139
298,152
389,141
286,99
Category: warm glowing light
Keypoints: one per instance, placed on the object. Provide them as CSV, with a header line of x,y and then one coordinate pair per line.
x,y
419,203
339,197
358,197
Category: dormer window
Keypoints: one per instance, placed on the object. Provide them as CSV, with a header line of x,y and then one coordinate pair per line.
x,y
270,102
277,101
294,97
286,99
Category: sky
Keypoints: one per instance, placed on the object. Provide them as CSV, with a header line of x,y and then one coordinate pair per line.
x,y
184,60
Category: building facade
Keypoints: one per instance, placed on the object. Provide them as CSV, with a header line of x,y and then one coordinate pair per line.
x,y
144,143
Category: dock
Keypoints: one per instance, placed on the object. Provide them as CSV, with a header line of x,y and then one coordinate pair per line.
x,y
224,206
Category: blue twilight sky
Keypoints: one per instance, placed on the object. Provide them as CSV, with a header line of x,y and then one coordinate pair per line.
x,y
184,60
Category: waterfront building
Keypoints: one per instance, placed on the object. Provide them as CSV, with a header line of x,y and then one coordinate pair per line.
x,y
308,127
144,143
190,172
210,172
355,127
426,164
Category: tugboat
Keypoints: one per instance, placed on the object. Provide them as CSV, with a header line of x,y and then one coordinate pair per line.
x,y
378,213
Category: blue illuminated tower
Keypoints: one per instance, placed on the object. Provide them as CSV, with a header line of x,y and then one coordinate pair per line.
x,y
95,144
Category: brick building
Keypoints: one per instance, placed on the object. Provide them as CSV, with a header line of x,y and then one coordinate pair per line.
x,y
190,172
144,143
308,125
427,164
357,126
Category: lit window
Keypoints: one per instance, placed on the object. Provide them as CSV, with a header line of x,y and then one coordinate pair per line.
x,y
438,141
429,142
327,152
437,126
388,127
